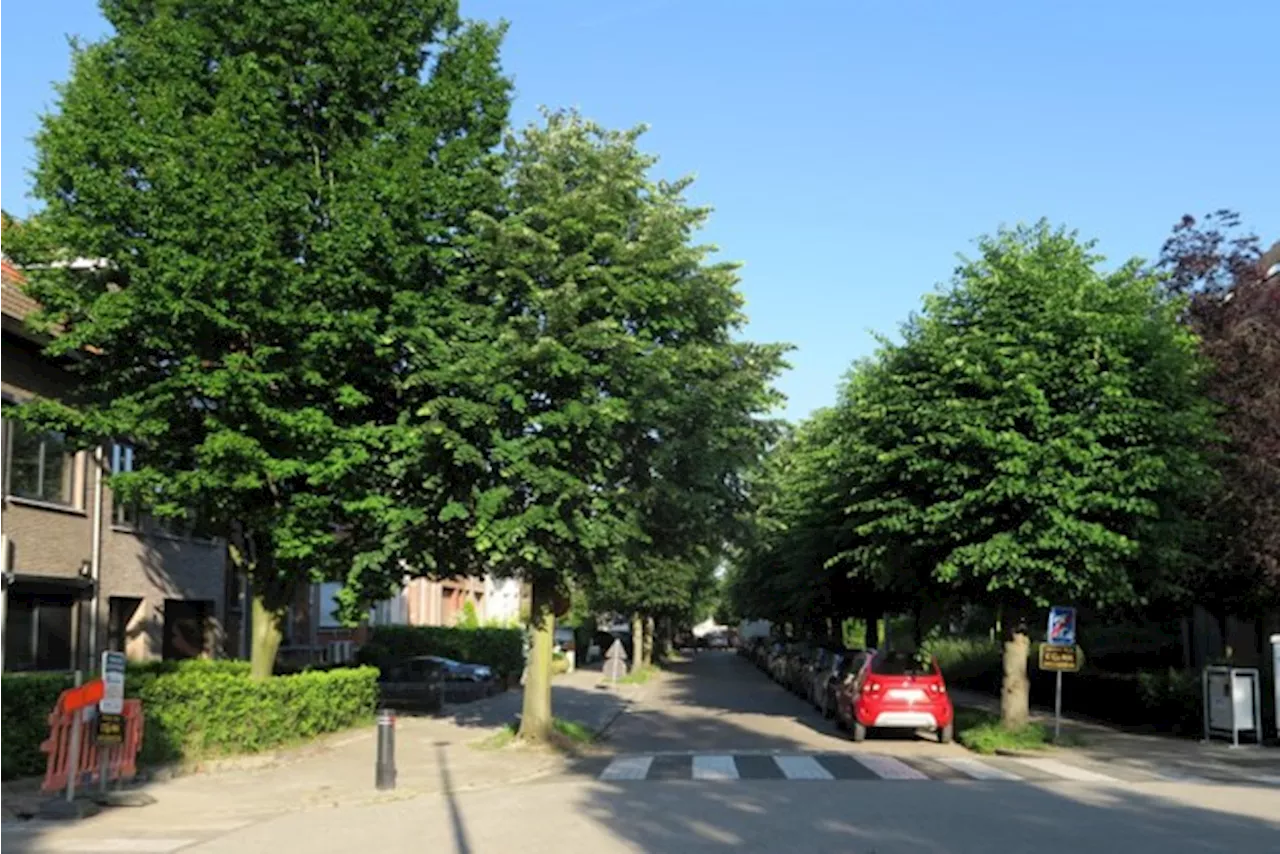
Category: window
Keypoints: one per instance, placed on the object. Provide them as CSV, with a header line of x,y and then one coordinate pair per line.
x,y
124,514
185,629
41,466
120,612
898,663
37,631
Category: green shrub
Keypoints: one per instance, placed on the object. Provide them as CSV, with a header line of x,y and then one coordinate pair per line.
x,y
972,663
501,649
193,715
1175,696
28,698
195,709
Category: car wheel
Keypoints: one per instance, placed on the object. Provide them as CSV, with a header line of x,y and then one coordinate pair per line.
x,y
859,732
946,734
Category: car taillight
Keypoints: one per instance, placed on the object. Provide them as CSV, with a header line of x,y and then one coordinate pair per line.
x,y
935,688
873,687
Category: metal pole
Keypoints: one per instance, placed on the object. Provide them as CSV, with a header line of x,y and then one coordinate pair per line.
x,y
1057,709
73,760
385,771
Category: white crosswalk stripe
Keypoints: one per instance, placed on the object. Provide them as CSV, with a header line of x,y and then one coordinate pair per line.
x,y
1065,771
714,768
628,768
802,768
1269,779
976,769
888,768
126,845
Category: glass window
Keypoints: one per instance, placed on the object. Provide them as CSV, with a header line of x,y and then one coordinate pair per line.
x,y
38,632
125,458
19,629
898,663
120,611
41,466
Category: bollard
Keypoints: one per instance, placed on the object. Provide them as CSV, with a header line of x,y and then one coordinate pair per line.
x,y
385,772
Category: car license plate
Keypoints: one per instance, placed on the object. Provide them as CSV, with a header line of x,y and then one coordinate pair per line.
x,y
911,695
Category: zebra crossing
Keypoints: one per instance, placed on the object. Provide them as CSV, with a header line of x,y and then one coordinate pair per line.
x,y
730,767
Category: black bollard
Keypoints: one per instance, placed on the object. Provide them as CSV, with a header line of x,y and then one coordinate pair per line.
x,y
385,776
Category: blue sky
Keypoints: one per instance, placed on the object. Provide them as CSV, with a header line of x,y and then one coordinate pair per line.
x,y
851,149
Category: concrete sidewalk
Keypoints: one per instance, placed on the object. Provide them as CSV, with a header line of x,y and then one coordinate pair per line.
x,y
433,754
1105,744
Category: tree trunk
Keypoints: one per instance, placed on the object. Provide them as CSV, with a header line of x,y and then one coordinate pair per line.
x,y
268,632
637,642
871,637
648,641
535,717
1015,691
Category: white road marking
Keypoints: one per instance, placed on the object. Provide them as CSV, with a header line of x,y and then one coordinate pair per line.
x,y
977,770
135,845
1269,779
802,768
628,768
1067,772
888,768
714,768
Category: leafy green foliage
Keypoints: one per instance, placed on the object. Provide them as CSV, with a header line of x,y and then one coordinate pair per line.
x,y
276,194
1034,433
194,715
981,732
501,649
197,709
27,699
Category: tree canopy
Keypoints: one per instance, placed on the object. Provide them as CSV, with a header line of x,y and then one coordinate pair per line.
x,y
268,197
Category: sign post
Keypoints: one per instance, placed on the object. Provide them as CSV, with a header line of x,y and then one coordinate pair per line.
x,y
110,729
1061,634
615,662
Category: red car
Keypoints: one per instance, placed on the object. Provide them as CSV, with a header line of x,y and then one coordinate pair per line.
x,y
896,690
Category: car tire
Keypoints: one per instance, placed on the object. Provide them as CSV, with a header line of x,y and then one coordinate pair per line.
x,y
859,732
947,734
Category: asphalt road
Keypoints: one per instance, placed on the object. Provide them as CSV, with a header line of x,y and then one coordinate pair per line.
x,y
722,760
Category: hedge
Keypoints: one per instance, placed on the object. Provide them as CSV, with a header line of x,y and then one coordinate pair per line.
x,y
1167,700
197,709
500,649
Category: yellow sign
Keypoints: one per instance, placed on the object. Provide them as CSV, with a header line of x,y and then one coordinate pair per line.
x,y
1066,659
110,730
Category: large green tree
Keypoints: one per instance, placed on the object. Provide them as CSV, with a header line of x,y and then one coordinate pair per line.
x,y
272,197
610,316
1034,437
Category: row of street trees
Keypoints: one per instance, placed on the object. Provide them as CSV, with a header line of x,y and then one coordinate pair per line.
x,y
358,327
1046,431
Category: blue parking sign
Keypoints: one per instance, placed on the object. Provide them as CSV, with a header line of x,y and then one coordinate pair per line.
x,y
1062,626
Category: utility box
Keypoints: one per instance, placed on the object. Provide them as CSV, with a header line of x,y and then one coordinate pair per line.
x,y
1232,703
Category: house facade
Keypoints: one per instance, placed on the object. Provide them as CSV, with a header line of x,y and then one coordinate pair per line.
x,y
83,573
314,633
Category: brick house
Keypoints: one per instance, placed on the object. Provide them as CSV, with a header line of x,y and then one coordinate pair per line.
x,y
312,633
82,573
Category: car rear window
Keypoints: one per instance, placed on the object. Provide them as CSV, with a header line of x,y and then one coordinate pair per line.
x,y
901,664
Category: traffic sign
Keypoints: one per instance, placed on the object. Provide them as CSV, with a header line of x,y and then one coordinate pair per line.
x,y
1062,626
112,702
1063,659
615,661
110,730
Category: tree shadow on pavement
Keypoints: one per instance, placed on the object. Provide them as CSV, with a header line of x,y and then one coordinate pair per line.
x,y
919,817
730,684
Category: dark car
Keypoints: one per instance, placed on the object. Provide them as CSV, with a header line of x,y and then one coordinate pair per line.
x,y
415,684
844,668
465,681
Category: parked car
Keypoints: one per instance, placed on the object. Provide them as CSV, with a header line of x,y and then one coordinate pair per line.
x,y
826,661
845,666
897,690
414,684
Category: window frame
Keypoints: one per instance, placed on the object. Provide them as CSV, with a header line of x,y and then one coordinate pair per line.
x,y
73,478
